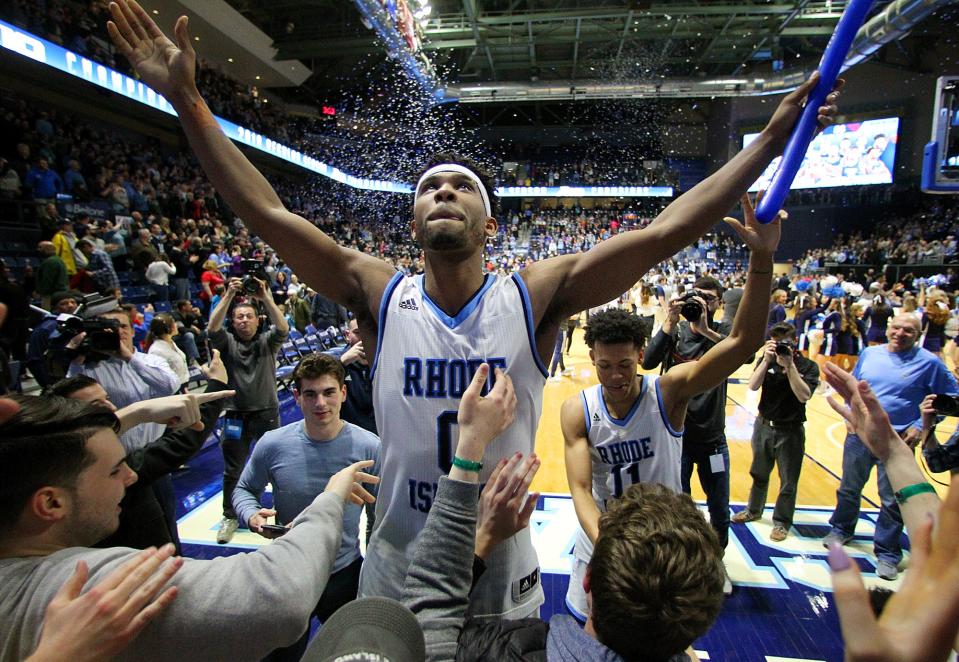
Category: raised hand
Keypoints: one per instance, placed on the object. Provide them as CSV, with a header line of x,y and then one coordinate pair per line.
x,y
346,483
862,412
98,624
920,621
781,124
169,68
757,236
215,369
481,418
505,508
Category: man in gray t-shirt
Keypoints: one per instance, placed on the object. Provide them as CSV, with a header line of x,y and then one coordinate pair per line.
x,y
250,358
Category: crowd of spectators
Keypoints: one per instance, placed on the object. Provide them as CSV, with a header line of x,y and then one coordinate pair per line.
x,y
926,236
576,169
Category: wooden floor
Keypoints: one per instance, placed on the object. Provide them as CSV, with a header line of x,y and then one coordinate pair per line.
x,y
825,432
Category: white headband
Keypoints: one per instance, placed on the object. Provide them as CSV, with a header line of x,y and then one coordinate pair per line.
x,y
463,170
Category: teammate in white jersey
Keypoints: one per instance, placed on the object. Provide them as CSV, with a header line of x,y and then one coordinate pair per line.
x,y
453,217
629,428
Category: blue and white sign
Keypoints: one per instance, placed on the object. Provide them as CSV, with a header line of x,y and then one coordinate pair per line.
x,y
585,191
29,45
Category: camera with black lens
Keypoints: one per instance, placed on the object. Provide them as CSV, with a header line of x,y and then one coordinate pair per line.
x,y
691,309
784,348
946,405
103,337
251,271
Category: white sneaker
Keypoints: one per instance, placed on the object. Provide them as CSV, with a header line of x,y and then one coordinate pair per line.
x,y
727,583
556,378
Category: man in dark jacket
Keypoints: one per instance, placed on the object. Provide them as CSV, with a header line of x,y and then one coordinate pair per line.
x,y
189,418
642,534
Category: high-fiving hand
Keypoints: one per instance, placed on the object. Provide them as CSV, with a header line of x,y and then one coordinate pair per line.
x,y
169,68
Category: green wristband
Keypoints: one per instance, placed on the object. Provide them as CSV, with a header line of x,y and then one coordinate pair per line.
x,y
466,465
910,491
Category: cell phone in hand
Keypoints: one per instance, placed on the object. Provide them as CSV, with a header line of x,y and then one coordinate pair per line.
x,y
273,530
946,405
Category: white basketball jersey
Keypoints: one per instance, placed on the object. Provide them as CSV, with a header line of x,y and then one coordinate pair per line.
x,y
640,448
424,361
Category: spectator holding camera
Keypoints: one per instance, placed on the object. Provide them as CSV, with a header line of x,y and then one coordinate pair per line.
x,y
788,380
249,354
939,457
127,376
901,375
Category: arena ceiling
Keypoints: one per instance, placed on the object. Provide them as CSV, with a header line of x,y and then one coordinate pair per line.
x,y
473,41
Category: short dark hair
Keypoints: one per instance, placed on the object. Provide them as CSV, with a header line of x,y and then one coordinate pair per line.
x,y
315,366
485,178
45,444
245,304
657,569
70,385
613,326
782,330
708,283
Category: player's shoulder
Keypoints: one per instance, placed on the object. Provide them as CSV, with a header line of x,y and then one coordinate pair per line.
x,y
573,408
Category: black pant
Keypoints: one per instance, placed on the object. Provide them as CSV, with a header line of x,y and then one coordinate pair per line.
x,y
235,451
340,589
163,489
569,334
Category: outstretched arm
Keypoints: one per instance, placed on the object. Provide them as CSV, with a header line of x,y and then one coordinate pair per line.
x,y
689,379
168,68
569,283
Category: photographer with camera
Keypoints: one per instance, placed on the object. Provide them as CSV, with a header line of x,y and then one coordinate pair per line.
x,y
939,457
250,358
788,380
103,350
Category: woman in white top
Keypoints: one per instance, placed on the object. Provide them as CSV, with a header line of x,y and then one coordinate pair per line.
x,y
158,275
159,342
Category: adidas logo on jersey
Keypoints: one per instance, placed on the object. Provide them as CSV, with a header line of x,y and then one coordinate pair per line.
x,y
409,304
595,417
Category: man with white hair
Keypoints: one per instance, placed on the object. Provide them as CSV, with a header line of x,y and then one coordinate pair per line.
x,y
901,374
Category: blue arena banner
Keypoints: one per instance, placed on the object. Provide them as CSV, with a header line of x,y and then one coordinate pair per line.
x,y
584,191
45,52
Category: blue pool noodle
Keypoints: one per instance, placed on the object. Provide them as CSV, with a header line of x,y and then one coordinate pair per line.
x,y
802,134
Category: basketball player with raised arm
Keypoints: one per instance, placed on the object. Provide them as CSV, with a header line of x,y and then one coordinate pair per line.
x,y
428,334
629,428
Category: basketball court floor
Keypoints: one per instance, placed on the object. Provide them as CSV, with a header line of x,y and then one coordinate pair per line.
x,y
781,608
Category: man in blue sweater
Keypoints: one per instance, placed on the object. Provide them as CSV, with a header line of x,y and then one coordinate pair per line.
x,y
298,460
901,374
